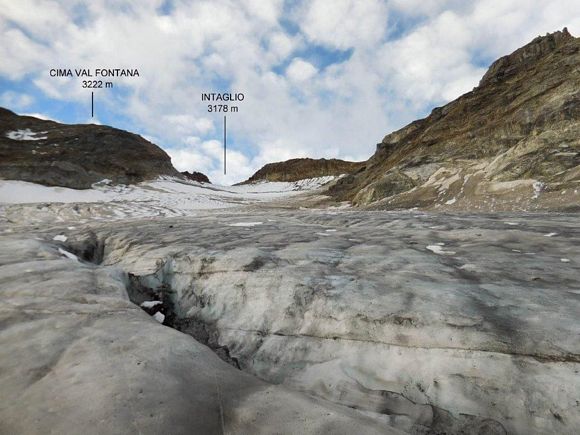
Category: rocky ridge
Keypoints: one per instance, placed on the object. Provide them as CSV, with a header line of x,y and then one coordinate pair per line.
x,y
196,176
304,168
510,144
76,156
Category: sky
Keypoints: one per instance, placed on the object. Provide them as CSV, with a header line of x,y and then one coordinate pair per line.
x,y
321,78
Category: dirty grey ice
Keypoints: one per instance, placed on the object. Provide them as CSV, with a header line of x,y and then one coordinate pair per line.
x,y
265,320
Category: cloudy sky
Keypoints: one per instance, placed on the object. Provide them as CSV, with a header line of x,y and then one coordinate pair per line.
x,y
321,78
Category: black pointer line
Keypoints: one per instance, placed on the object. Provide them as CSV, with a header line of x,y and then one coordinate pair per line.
x,y
92,104
225,144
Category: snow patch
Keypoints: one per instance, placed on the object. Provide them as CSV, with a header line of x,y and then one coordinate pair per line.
x,y
165,196
538,188
68,254
150,304
26,134
22,192
60,238
550,234
283,186
103,182
245,224
438,249
159,316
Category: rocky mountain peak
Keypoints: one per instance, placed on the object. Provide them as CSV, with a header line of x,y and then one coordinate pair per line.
x,y
512,143
76,156
526,55
196,176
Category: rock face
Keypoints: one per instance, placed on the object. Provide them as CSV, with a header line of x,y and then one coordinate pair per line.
x,y
75,156
196,176
513,143
300,169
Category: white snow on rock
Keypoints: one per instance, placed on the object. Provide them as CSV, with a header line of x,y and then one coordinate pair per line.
x,y
565,260
150,304
284,186
438,249
451,201
60,238
160,317
550,234
103,182
245,224
26,134
538,187
68,254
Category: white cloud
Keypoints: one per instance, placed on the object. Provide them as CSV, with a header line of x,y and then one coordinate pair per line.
x,y
343,24
266,11
309,108
15,100
184,125
204,125
299,70
208,155
281,45
21,50
36,18
189,159
415,8
433,62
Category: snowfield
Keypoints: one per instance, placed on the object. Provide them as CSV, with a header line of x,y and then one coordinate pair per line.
x,y
162,197
356,321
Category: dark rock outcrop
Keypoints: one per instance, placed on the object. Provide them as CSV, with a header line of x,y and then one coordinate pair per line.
x,y
75,156
513,143
300,169
509,65
196,176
